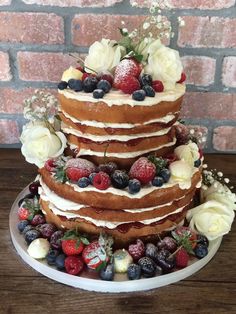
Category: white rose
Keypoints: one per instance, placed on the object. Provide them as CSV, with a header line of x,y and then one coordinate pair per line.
x,y
148,46
180,171
212,219
164,64
189,153
103,56
220,193
39,144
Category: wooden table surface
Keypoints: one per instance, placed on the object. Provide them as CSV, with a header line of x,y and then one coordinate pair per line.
x,y
23,290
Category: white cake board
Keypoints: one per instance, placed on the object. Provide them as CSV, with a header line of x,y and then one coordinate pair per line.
x,y
120,284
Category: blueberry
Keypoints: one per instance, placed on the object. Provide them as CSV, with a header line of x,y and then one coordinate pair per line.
x,y
134,271
151,251
60,261
76,85
145,79
200,251
91,176
104,85
22,224
201,239
119,179
98,93
149,91
107,273
90,84
139,95
62,85
51,256
31,235
165,174
157,181
134,186
197,163
148,267
83,182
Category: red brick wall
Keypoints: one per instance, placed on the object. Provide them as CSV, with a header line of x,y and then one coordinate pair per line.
x,y
36,36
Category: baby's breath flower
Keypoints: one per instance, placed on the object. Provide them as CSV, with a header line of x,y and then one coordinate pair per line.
x,y
146,25
134,4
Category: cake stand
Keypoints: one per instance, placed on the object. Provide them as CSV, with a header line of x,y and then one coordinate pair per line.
x,y
120,283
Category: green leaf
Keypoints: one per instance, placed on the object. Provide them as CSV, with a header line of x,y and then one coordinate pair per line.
x,y
84,240
159,162
60,175
125,42
125,34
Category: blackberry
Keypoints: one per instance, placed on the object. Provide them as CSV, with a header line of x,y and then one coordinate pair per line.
x,y
134,186
62,85
98,93
90,84
75,85
148,267
47,230
104,85
145,79
38,220
151,251
139,95
119,179
149,91
134,271
83,182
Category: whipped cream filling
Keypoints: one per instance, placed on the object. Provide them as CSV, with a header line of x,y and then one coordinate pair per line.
x,y
83,151
108,224
102,125
65,205
103,138
118,98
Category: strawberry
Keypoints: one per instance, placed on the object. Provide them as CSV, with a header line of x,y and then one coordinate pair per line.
x,y
23,213
128,67
95,256
101,180
77,168
158,86
181,258
73,243
182,78
74,264
129,84
143,170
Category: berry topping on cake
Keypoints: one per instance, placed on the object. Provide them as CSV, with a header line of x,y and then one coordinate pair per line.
x,y
101,181
120,179
149,90
90,84
157,181
128,67
139,95
134,186
74,265
98,93
77,168
83,182
75,85
137,250
181,258
104,85
62,85
108,167
128,84
107,76
183,78
143,170
165,174
145,79
158,86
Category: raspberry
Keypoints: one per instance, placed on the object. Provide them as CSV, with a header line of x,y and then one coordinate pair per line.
x,y
183,78
143,170
128,67
106,76
158,86
85,75
181,258
74,265
101,181
78,168
137,250
182,134
129,84
50,165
